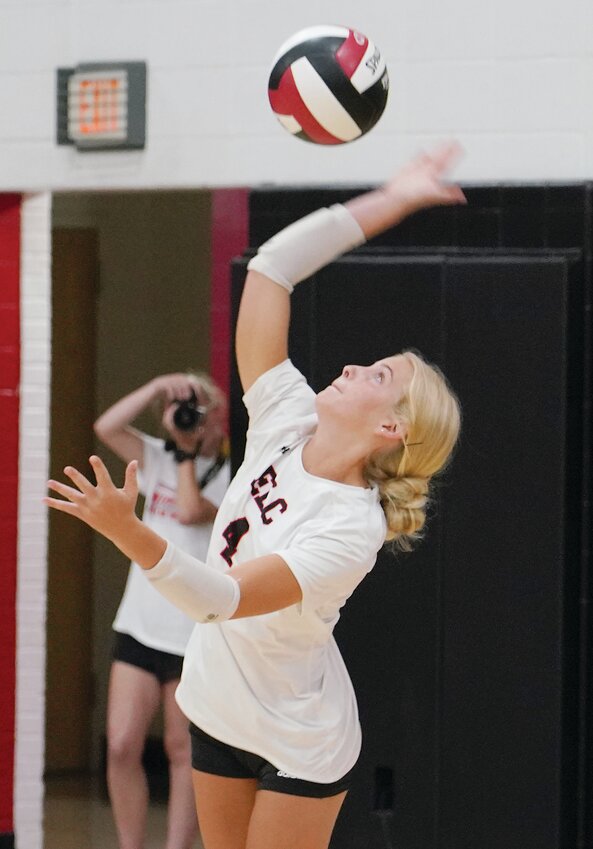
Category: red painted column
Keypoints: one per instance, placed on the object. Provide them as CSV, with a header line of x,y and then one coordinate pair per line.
x,y
9,452
230,220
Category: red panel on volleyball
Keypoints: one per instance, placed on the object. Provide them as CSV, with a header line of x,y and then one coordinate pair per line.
x,y
350,54
287,101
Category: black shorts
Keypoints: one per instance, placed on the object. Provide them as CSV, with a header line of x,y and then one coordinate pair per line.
x,y
164,666
216,758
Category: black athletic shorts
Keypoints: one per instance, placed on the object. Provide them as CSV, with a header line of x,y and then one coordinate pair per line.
x,y
164,666
216,758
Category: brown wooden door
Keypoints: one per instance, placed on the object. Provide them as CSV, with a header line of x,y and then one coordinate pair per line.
x,y
70,580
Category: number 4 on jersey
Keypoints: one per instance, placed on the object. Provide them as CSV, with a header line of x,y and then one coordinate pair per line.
x,y
232,535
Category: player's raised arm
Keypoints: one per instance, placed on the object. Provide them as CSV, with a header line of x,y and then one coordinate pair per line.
x,y
261,338
291,256
309,244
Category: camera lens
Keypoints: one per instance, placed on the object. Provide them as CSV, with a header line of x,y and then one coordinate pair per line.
x,y
187,416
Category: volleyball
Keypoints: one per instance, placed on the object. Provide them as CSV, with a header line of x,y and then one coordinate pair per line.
x,y
328,85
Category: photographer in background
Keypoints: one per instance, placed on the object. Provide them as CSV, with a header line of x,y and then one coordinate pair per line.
x,y
183,480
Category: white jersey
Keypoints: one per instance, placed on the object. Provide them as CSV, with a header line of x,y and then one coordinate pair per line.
x,y
276,684
143,612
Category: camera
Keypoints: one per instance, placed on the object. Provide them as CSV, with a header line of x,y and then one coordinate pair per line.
x,y
188,414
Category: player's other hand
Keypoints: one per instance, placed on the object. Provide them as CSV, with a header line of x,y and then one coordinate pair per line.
x,y
102,506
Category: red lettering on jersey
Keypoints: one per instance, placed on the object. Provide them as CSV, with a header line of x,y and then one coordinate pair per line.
x,y
260,489
267,479
280,502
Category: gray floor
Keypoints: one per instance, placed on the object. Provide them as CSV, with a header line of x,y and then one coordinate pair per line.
x,y
77,816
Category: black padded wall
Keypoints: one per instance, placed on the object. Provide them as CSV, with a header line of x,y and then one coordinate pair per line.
x,y
468,655
500,216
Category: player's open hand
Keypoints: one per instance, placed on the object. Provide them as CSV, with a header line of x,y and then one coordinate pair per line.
x,y
103,506
422,183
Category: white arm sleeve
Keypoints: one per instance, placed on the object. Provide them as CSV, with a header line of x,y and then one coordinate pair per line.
x,y
309,244
203,594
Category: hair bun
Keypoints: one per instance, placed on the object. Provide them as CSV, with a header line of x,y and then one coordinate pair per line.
x,y
404,502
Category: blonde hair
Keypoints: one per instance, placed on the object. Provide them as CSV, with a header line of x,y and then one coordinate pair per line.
x,y
430,411
215,396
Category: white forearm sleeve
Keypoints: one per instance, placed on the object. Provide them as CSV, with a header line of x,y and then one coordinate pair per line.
x,y
309,244
204,594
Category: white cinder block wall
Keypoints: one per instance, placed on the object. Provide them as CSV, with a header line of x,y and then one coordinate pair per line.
x,y
513,79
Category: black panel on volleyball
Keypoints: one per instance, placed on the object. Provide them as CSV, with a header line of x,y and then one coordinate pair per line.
x,y
465,653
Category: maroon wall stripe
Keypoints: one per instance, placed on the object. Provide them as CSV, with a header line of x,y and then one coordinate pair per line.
x,y
229,239
9,452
